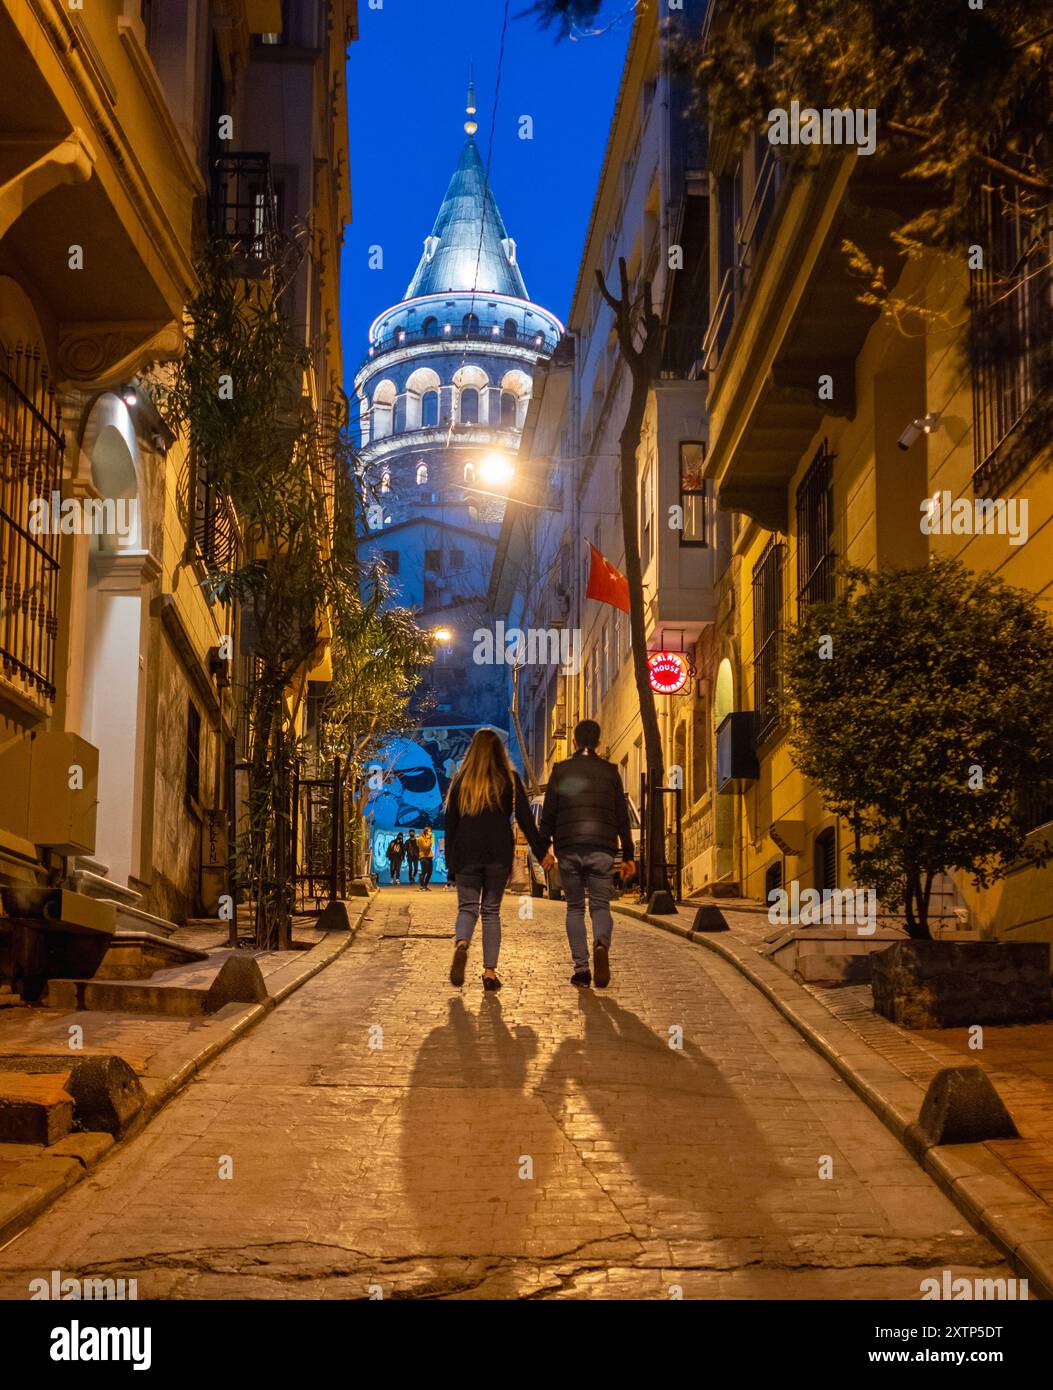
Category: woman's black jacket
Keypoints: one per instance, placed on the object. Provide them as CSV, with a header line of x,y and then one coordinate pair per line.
x,y
487,838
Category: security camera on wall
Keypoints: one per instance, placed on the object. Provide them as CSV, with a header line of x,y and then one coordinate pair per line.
x,y
925,424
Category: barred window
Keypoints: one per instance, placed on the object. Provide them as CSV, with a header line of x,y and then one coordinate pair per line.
x,y
815,528
31,450
767,633
1011,299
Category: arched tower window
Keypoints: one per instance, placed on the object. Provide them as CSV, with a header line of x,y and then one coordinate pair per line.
x,y
422,473
508,410
429,408
469,406
469,472
431,327
385,481
511,328
470,324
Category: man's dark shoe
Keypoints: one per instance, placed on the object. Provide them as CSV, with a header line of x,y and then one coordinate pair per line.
x,y
581,978
460,955
601,965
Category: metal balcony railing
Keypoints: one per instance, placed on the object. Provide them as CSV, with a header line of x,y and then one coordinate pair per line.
x,y
749,233
31,450
538,342
243,206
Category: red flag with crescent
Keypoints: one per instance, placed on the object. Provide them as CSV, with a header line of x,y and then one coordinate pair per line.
x,y
606,584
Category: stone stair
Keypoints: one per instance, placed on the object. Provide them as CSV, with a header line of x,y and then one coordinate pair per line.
x,y
184,991
130,916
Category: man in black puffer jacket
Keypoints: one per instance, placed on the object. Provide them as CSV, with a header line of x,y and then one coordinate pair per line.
x,y
585,817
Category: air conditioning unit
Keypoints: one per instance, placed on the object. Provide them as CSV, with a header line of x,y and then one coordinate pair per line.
x,y
736,751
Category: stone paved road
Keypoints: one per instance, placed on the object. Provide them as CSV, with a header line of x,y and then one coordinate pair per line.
x,y
537,1143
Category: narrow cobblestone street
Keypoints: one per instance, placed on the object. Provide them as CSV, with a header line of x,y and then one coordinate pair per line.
x,y
407,1165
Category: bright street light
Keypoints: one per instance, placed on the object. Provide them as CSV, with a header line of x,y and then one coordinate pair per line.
x,y
496,470
442,635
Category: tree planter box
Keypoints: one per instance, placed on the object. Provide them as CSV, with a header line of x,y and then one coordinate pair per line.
x,y
940,984
829,955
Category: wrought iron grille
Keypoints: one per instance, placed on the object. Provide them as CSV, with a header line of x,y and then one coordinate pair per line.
x,y
215,525
243,207
1012,319
767,634
31,450
815,529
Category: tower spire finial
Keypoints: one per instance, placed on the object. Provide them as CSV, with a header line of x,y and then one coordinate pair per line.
x,y
470,125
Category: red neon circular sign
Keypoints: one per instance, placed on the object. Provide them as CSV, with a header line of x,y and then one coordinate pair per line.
x,y
667,672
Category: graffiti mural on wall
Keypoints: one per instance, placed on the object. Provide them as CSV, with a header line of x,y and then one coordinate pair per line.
x,y
418,769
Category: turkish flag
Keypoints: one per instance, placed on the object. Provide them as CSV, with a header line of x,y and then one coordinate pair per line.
x,y
606,584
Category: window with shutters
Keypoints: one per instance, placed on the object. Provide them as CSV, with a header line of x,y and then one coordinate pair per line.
x,y
815,529
825,861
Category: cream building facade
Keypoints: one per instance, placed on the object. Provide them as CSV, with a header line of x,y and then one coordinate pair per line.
x,y
116,701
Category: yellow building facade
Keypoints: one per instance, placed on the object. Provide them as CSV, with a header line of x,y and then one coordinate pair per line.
x,y
830,426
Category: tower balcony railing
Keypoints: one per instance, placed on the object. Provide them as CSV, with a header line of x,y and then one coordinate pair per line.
x,y
537,341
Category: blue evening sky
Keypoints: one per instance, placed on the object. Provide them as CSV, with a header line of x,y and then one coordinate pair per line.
x,y
407,82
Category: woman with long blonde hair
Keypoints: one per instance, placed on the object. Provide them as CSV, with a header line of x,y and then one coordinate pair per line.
x,y
484,795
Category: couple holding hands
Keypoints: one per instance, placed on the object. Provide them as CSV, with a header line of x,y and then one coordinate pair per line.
x,y
584,821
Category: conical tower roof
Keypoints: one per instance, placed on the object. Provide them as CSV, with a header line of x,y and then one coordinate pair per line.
x,y
454,250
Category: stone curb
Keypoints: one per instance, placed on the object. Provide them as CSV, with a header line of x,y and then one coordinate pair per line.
x,y
27,1192
988,1194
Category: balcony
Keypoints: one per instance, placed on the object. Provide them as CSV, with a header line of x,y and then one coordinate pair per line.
x,y
243,209
801,318
538,342
681,566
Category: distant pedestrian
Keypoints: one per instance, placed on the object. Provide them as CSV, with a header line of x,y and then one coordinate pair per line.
x,y
426,850
395,852
484,795
586,817
412,855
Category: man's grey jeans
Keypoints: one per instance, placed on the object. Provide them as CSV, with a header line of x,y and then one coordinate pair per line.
x,y
587,874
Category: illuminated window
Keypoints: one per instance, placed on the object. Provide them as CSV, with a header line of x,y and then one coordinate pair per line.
x,y
693,493
422,474
469,472
385,481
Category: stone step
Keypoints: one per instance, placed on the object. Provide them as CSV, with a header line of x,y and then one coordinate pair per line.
x,y
136,955
135,919
34,1109
96,885
185,991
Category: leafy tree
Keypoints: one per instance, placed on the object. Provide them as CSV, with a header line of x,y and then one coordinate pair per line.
x,y
378,652
240,393
566,16
921,708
